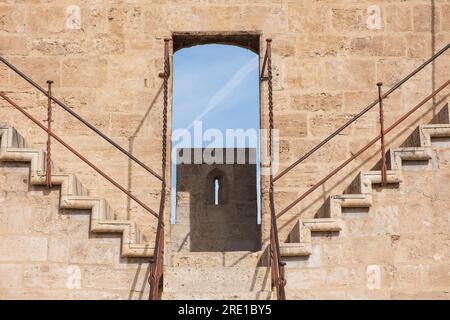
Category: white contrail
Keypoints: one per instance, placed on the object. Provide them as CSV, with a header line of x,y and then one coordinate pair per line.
x,y
231,84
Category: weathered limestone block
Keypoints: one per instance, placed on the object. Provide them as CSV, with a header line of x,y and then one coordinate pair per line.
x,y
91,251
78,229
316,102
348,19
58,249
84,73
411,276
321,294
98,295
417,217
371,222
349,74
335,253
15,220
93,19
42,68
421,252
371,250
10,276
388,46
219,279
309,74
420,294
101,121
116,19
322,125
34,294
426,18
4,77
391,71
356,101
294,148
58,46
398,18
43,19
100,277
307,19
107,44
273,17
135,20
14,177
320,45
45,275
298,279
14,45
224,17
23,248
292,125
445,14
13,18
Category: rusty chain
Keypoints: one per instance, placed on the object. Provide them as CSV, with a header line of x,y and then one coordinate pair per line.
x,y
48,170
383,145
156,265
278,273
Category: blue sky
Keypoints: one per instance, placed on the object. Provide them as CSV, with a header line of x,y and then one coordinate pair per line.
x,y
217,85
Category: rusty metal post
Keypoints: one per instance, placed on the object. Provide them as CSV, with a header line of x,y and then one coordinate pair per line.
x,y
48,171
157,264
383,145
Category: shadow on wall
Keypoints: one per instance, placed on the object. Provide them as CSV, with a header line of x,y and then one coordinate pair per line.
x,y
216,208
131,148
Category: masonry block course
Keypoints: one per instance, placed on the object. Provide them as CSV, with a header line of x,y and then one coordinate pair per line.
x,y
56,258
327,58
226,221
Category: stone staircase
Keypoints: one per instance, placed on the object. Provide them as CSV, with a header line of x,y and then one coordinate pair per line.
x,y
224,275
73,195
217,275
359,194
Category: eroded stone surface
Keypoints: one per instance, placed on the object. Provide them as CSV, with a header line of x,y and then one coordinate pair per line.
x,y
326,63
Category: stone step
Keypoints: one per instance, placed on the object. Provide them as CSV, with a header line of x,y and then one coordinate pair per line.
x,y
216,259
254,295
216,280
73,195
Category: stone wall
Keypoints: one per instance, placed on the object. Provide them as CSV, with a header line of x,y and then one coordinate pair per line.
x,y
229,225
395,250
327,55
392,251
46,253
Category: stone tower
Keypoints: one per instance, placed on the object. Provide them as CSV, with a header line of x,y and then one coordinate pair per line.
x,y
216,207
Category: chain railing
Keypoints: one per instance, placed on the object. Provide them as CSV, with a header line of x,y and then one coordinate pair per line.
x,y
51,134
362,150
360,114
78,117
381,137
157,263
277,266
278,279
48,169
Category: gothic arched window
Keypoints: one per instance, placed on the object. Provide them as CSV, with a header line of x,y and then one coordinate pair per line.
x,y
217,186
216,193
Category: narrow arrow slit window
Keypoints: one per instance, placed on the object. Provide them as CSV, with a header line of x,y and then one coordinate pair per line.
x,y
216,186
